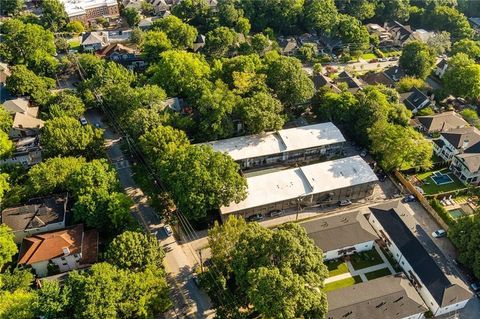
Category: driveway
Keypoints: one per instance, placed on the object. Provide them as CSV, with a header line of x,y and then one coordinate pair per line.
x,y
189,301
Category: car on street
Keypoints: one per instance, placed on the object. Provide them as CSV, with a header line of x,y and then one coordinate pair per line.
x,y
168,230
439,233
275,213
408,199
83,120
475,286
363,153
254,218
344,202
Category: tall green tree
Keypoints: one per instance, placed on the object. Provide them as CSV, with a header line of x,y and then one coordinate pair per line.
x,y
289,81
262,112
6,120
281,15
52,175
468,47
388,10
18,305
21,42
52,300
135,251
109,292
6,145
462,77
162,143
11,7
417,59
4,184
463,235
220,41
54,16
272,273
450,19
66,103
66,136
201,179
180,73
354,35
25,82
400,147
7,245
181,34
153,44
320,14
132,16
194,12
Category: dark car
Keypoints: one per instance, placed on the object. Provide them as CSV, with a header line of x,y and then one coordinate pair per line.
x,y
254,218
408,199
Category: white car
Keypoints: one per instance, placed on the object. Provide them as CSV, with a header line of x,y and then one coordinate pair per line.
x,y
83,120
168,230
344,202
439,233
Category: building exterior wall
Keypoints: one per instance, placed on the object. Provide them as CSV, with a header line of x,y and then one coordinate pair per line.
x,y
303,155
25,159
67,263
20,234
407,268
460,170
447,151
41,268
325,198
337,253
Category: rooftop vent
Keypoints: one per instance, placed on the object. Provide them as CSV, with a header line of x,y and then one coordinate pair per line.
x,y
66,251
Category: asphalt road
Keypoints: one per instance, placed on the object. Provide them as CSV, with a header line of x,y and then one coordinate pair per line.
x,y
189,301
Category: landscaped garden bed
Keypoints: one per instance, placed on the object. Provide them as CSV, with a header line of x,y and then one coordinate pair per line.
x,y
336,267
365,259
378,273
437,181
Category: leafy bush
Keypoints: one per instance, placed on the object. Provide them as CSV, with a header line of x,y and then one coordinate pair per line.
x,y
437,206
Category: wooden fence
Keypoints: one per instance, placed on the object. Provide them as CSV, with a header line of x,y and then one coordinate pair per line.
x,y
421,199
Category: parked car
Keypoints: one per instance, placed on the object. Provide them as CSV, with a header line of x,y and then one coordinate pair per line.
x,y
439,233
168,230
475,286
381,176
344,202
83,120
275,213
254,218
363,153
408,199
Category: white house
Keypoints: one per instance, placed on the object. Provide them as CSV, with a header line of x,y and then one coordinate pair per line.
x,y
455,141
40,215
466,165
442,293
341,235
68,249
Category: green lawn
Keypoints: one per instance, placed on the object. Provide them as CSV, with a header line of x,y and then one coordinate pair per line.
x,y
368,56
378,273
365,259
74,45
431,188
336,267
342,283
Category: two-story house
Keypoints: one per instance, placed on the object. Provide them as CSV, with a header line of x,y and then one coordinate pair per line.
x,y
38,216
466,165
441,122
442,291
455,141
66,249
123,55
415,100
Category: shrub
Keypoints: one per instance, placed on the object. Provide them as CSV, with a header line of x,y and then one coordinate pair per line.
x,y
442,212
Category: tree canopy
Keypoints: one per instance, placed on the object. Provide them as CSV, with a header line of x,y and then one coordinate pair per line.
x,y
462,77
262,112
417,59
22,81
181,35
7,245
273,273
464,235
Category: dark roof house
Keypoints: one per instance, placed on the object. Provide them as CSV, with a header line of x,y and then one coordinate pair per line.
x,y
442,289
353,83
442,122
415,100
320,80
40,215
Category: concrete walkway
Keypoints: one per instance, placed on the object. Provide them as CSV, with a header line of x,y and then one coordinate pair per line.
x,y
338,277
385,260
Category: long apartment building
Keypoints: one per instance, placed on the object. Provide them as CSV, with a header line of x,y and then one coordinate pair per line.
x,y
317,184
299,144
86,10
442,291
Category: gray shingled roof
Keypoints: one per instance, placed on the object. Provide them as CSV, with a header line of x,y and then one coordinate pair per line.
x,y
339,231
442,122
391,297
460,136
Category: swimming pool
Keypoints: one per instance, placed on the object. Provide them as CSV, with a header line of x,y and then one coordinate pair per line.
x,y
456,213
441,179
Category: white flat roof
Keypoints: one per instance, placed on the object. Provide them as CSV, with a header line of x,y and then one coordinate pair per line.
x,y
278,142
77,7
306,180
